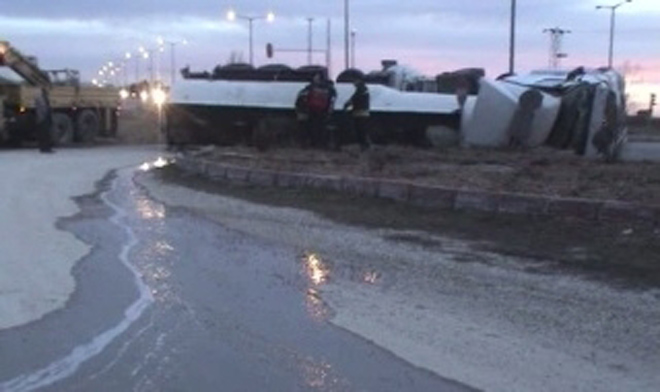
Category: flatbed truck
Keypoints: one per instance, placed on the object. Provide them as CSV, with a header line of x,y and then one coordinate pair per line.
x,y
81,112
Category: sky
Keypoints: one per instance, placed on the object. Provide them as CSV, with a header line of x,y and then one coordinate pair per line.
x,y
432,36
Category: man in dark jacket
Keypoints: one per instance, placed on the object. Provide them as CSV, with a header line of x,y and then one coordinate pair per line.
x,y
360,104
302,117
44,120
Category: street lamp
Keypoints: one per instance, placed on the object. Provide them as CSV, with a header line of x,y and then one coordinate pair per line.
x,y
612,9
147,54
232,16
172,45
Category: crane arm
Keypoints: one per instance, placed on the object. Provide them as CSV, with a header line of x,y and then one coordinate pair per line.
x,y
20,64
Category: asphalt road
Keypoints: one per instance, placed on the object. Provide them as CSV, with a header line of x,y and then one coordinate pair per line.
x,y
170,301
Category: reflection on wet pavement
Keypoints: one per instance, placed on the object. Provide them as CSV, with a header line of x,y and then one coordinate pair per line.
x,y
371,277
317,271
317,310
318,375
149,210
160,162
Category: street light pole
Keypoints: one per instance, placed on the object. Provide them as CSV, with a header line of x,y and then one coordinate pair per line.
x,y
328,53
353,33
610,55
512,38
128,56
310,21
172,64
151,66
124,65
232,15
612,8
250,22
346,30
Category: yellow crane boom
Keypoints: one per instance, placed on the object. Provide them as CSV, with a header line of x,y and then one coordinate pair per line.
x,y
23,66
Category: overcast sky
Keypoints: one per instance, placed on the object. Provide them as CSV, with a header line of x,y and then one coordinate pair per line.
x,y
430,35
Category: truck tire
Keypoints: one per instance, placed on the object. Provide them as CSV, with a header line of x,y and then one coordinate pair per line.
x,y
88,126
62,130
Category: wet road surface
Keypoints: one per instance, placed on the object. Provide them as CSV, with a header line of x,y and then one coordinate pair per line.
x,y
170,301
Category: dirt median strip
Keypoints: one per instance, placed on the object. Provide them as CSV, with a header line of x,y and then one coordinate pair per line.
x,y
618,251
431,195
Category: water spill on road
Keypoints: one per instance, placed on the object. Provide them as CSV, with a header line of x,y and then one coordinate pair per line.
x,y
68,365
216,309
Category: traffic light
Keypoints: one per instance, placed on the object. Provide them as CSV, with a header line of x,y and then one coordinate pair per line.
x,y
652,100
269,50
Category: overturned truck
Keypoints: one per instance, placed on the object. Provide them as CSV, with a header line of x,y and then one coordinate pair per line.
x,y
208,109
582,109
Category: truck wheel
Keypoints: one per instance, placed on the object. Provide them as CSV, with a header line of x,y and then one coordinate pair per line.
x,y
88,125
62,129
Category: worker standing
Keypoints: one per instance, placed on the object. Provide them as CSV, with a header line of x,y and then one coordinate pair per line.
x,y
302,117
359,104
320,101
44,121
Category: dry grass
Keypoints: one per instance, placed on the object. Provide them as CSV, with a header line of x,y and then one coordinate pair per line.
x,y
539,171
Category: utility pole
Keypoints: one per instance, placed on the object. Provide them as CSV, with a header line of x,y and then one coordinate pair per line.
x,y
310,22
353,33
556,40
151,68
512,38
346,34
328,53
172,64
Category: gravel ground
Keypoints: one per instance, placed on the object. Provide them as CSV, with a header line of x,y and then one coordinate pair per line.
x,y
442,301
540,171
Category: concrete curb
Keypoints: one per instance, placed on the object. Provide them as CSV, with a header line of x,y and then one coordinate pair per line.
x,y
431,196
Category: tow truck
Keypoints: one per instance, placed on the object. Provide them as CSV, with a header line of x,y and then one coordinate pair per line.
x,y
80,112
